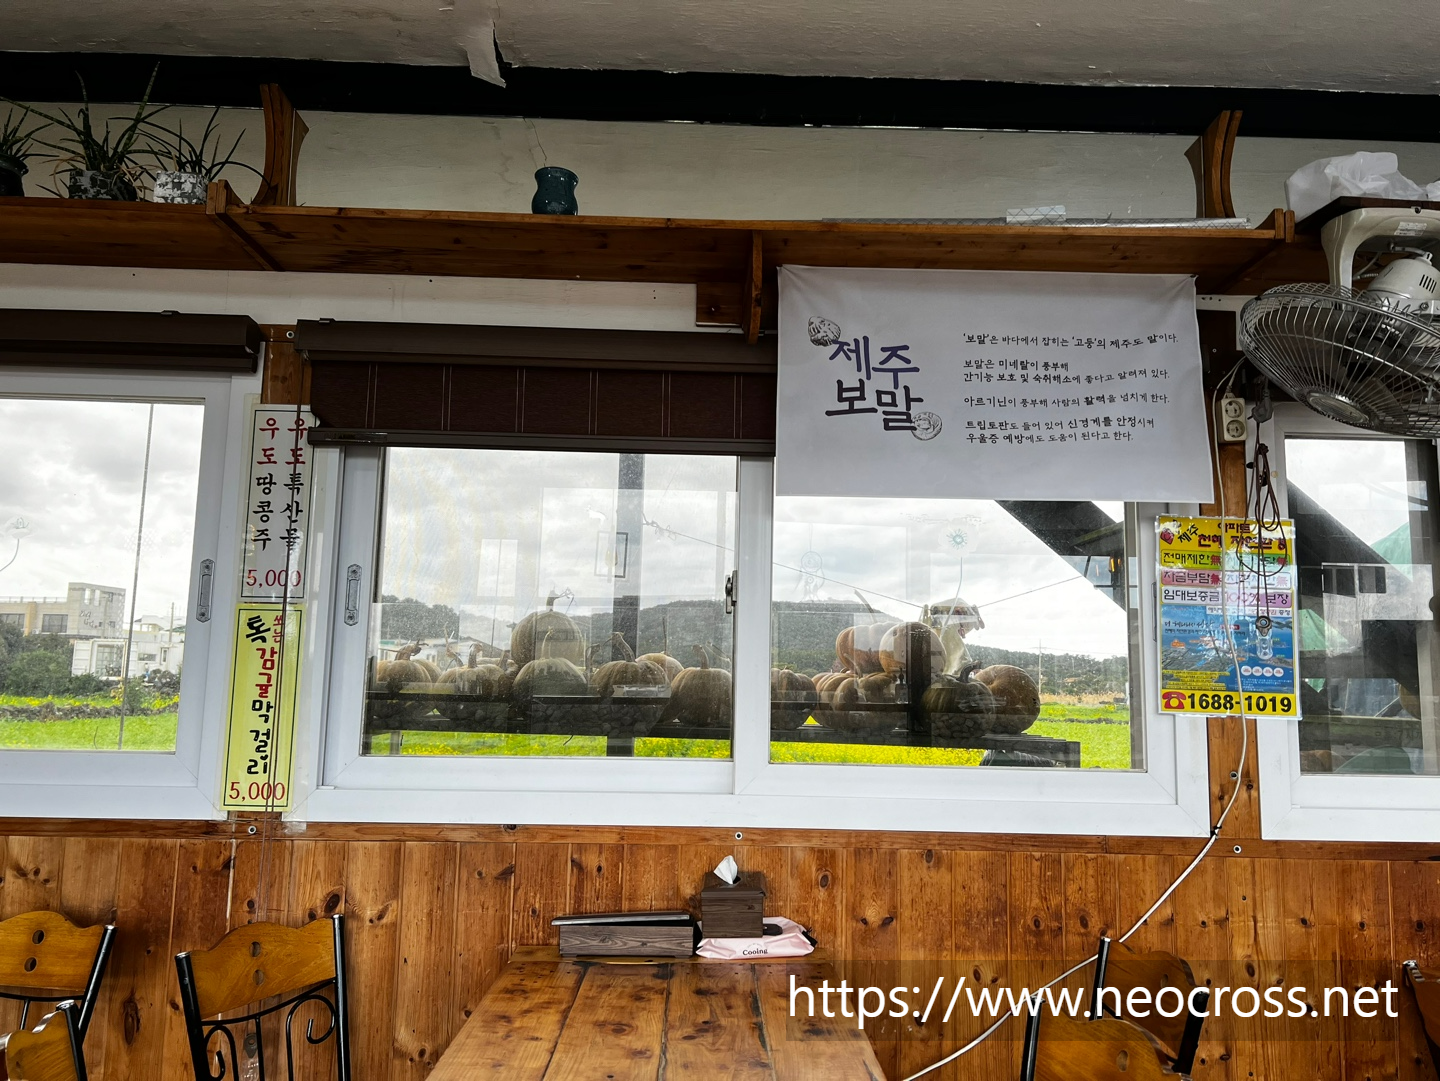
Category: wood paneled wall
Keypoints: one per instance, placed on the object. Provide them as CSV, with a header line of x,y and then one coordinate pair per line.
x,y
434,913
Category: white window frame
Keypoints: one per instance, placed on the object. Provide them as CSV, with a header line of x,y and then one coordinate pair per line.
x,y
141,784
1171,794
1296,806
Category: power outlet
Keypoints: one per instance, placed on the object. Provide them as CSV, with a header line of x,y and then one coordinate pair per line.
x,y
1231,419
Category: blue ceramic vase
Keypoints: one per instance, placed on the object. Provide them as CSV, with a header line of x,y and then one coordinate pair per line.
x,y
554,191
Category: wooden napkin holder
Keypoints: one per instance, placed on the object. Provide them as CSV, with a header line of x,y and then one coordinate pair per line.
x,y
736,911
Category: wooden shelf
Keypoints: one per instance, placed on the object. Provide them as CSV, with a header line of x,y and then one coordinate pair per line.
x,y
732,262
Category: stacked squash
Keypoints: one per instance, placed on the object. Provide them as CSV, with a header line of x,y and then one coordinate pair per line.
x,y
901,661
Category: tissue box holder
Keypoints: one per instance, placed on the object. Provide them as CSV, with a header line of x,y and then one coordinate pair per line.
x,y
736,911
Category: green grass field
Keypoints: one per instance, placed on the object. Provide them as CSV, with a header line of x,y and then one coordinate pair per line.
x,y
1102,731
153,733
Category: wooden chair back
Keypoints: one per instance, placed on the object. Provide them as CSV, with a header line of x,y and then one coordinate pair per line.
x,y
1119,970
264,971
51,1052
1063,1048
46,958
1425,983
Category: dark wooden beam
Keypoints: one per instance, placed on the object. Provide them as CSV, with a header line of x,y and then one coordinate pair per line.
x,y
284,132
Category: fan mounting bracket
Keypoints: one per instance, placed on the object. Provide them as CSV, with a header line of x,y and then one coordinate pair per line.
x,y
1380,228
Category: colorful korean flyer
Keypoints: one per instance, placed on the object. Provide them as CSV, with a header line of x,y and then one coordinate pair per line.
x,y
1227,593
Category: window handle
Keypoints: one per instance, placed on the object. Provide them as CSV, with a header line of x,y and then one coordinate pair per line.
x,y
207,586
352,595
730,593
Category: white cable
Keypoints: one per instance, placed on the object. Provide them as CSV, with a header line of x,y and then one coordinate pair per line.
x,y
1220,387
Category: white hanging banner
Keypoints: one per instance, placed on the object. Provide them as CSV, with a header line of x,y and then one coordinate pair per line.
x,y
990,385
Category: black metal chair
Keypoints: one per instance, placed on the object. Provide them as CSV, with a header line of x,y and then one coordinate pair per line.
x,y
1118,969
45,958
264,974
51,1052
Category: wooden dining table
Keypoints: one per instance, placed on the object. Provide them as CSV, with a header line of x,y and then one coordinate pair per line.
x,y
551,1019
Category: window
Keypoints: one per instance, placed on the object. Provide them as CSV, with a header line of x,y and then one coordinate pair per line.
x,y
954,632
447,559
118,487
107,492
539,603
13,619
1369,654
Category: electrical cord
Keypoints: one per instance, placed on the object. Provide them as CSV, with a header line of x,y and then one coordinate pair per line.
x,y
1221,387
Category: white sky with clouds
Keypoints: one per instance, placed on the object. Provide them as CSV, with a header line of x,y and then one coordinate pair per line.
x,y
443,505
73,469
1361,482
928,550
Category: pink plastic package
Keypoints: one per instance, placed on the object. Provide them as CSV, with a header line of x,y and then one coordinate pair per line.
x,y
792,941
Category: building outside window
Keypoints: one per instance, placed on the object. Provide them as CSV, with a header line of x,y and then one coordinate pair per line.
x,y
121,481
1364,760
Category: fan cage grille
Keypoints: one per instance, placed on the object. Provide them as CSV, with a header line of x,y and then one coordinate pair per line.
x,y
1348,357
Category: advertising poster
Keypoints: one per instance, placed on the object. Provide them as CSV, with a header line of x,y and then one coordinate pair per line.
x,y
261,732
1215,572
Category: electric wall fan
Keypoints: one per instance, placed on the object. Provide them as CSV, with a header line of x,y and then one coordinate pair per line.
x,y
1368,357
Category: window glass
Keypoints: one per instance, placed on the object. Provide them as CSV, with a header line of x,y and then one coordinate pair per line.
x,y
552,603
1368,649
954,632
97,518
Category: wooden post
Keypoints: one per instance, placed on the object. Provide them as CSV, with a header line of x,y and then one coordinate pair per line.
x,y
284,132
753,298
1210,156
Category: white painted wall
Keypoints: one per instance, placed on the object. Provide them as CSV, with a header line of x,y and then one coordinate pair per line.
x,y
717,171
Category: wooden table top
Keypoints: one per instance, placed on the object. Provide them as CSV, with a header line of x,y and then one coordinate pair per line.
x,y
547,1019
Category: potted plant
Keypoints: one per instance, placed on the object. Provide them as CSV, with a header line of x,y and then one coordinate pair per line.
x,y
185,167
100,165
15,149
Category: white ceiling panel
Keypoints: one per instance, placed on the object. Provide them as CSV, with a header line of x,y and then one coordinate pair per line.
x,y
1322,44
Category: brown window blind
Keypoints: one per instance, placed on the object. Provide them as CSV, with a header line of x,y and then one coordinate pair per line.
x,y
134,341
431,385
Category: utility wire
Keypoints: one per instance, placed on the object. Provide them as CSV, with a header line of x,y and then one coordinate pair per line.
x,y
1214,830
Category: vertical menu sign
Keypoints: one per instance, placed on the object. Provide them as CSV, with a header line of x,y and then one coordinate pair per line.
x,y
1227,618
265,671
262,707
277,511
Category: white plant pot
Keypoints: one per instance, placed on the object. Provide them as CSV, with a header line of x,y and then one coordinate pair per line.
x,y
180,188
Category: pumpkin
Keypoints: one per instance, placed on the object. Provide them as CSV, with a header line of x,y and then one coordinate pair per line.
x,y
562,632
489,681
906,644
667,663
858,648
405,669
1017,700
547,675
700,696
625,672
958,707
788,686
826,683
394,676
878,687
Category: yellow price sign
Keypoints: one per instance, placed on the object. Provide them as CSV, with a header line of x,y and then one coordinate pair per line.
x,y
264,676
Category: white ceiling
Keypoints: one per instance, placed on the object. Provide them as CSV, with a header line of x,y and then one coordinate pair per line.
x,y
1325,44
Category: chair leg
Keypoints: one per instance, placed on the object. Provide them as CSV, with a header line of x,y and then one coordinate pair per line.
x,y
1102,957
1032,1046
